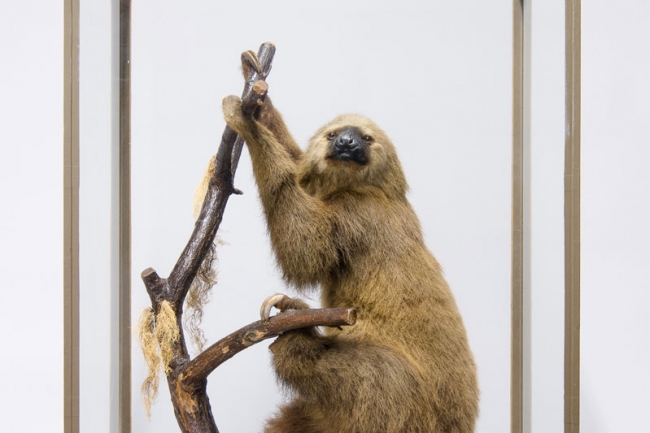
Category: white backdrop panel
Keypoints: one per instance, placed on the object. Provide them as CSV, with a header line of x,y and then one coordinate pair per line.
x,y
615,348
31,222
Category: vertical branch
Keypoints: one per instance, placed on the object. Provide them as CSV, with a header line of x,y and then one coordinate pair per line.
x,y
221,185
191,404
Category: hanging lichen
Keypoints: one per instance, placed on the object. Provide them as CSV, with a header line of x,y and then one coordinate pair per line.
x,y
198,296
167,333
157,335
149,346
206,277
202,189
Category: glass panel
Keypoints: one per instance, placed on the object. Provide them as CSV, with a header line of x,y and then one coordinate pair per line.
x,y
98,216
436,77
615,349
547,215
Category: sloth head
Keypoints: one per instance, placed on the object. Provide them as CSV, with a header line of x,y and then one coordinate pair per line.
x,y
351,153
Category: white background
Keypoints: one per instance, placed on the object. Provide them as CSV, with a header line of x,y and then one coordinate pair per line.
x,y
436,77
31,221
615,380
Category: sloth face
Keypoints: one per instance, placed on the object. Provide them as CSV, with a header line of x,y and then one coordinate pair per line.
x,y
349,145
351,153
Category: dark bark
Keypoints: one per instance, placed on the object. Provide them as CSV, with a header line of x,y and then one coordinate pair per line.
x,y
187,378
221,185
206,362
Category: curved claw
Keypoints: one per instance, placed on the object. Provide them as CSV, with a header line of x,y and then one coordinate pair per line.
x,y
249,60
269,303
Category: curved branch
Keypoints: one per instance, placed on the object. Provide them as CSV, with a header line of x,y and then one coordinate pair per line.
x,y
195,372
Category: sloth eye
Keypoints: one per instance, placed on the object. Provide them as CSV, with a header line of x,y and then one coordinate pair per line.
x,y
331,135
367,139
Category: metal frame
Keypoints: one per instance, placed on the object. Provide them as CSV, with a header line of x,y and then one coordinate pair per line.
x,y
520,385
124,271
572,220
520,382
71,217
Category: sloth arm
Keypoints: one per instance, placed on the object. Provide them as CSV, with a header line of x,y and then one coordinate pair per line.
x,y
300,226
273,121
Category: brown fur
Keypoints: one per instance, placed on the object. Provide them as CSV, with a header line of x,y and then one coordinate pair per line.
x,y
347,228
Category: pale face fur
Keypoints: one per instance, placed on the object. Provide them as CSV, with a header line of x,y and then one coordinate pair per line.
x,y
321,176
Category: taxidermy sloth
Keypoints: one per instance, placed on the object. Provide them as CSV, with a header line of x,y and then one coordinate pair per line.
x,y
339,219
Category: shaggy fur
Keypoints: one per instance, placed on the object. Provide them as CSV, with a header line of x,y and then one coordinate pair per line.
x,y
348,229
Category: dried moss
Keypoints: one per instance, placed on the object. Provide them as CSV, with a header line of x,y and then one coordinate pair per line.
x,y
206,278
167,333
202,189
149,346
157,336
198,296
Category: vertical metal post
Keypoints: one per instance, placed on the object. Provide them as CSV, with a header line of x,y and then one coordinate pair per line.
x,y
521,327
71,217
572,220
125,217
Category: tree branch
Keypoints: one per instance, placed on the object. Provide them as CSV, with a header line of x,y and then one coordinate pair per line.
x,y
187,379
197,370
221,184
192,409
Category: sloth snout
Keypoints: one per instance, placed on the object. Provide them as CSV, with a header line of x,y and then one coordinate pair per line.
x,y
349,147
347,142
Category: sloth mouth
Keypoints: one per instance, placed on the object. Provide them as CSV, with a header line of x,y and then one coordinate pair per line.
x,y
356,157
346,156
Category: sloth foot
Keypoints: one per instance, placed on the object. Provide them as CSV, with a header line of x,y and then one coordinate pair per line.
x,y
282,303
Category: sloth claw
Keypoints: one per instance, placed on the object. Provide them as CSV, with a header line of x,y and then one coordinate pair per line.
x,y
249,61
269,303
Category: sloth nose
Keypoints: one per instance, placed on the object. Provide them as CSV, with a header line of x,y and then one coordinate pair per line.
x,y
349,146
346,142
